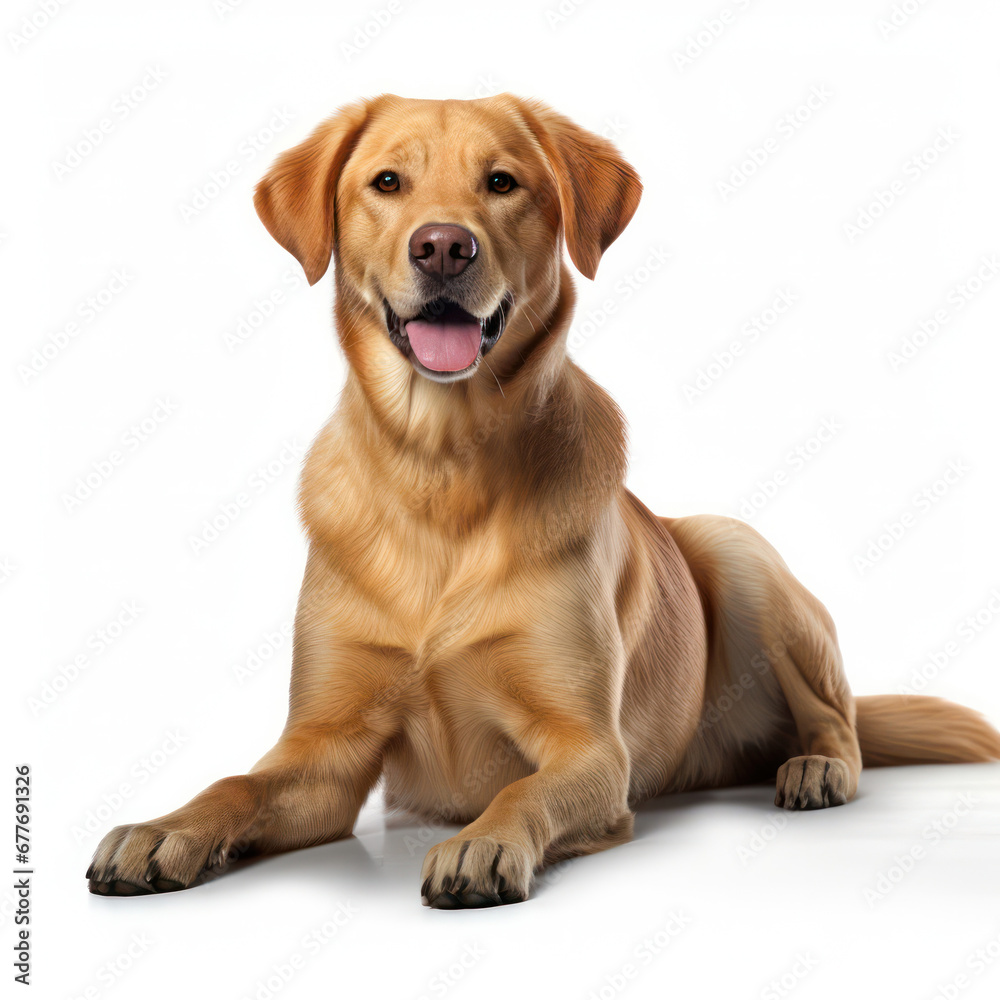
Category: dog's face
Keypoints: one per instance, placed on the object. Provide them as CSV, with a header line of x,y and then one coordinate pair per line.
x,y
440,227
444,219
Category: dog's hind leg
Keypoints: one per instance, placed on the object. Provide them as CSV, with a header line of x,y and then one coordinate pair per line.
x,y
763,618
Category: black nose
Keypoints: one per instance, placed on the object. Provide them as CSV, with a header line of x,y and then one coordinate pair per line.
x,y
443,250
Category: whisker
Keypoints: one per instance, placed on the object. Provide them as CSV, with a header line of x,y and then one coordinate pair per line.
x,y
494,374
532,311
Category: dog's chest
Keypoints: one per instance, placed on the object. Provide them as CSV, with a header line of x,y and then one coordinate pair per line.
x,y
426,554
440,766
441,600
409,581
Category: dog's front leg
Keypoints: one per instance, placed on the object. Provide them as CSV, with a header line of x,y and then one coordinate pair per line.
x,y
307,790
574,804
563,717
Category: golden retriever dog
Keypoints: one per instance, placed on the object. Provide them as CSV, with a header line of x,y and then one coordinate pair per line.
x,y
490,623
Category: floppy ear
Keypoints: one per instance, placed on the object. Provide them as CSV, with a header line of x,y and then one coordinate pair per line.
x,y
295,198
598,191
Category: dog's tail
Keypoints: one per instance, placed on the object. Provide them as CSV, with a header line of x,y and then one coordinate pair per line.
x,y
914,729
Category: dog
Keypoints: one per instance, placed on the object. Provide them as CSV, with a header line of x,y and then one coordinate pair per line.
x,y
490,622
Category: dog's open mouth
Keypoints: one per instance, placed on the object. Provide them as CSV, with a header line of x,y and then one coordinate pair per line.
x,y
444,339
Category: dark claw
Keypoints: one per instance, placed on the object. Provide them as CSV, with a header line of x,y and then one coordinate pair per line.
x,y
121,888
511,896
446,901
477,900
167,885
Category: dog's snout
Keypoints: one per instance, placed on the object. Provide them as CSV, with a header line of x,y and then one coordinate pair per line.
x,y
442,250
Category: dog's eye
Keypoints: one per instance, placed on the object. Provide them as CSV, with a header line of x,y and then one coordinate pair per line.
x,y
502,183
386,181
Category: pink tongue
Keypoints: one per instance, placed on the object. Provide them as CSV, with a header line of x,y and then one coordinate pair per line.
x,y
445,345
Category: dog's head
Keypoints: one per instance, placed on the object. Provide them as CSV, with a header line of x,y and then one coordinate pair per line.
x,y
445,220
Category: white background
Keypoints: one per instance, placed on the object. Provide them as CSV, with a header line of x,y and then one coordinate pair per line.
x,y
162,711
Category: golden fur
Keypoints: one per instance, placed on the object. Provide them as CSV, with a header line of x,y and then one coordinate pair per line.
x,y
489,621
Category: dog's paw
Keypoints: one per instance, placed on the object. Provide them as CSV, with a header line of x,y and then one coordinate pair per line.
x,y
152,857
812,782
476,871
